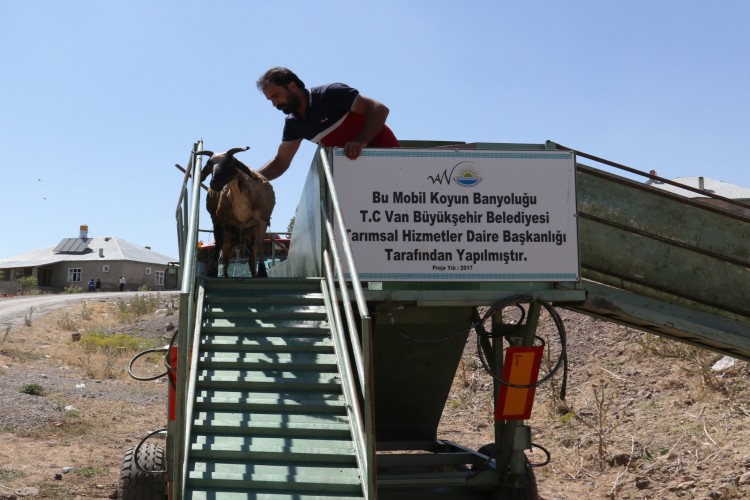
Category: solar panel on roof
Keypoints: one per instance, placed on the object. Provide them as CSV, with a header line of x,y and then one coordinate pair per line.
x,y
72,245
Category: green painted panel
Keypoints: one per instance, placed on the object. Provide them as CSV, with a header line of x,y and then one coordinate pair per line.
x,y
413,377
632,233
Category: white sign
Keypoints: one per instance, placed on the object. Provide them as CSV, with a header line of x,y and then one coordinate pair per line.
x,y
435,215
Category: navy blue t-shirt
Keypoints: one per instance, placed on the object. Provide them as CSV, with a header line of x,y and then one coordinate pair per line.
x,y
327,107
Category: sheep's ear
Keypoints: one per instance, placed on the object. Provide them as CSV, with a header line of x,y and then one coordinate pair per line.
x,y
205,171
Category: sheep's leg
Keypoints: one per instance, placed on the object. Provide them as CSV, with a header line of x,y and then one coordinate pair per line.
x,y
259,240
220,250
226,253
253,257
213,261
262,271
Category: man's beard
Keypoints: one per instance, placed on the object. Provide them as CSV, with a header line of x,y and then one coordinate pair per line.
x,y
291,105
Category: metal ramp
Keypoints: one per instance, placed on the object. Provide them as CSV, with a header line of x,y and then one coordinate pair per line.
x,y
673,266
269,417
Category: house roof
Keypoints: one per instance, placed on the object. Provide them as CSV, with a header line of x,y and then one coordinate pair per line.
x,y
713,186
87,249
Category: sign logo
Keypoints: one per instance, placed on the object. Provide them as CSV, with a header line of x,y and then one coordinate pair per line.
x,y
466,175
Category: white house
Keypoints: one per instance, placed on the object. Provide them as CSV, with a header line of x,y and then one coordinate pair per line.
x,y
74,261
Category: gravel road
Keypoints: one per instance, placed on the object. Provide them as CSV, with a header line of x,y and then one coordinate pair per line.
x,y
14,309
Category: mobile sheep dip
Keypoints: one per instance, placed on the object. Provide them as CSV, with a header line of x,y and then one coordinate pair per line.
x,y
328,379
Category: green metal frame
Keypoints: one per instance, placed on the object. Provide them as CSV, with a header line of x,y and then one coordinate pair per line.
x,y
188,208
635,244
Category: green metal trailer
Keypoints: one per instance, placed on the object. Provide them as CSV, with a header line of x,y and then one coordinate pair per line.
x,y
326,382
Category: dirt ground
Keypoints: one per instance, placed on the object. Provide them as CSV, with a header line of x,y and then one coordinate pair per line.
x,y
643,418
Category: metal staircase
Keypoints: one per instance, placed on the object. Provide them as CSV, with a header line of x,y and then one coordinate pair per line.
x,y
269,417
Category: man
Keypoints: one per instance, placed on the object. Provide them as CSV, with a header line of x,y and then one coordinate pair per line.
x,y
333,115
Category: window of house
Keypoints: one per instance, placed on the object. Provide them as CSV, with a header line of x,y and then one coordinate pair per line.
x,y
74,275
159,278
148,270
105,268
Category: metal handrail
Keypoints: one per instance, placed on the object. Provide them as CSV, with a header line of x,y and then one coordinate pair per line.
x,y
188,238
365,435
348,382
194,340
348,311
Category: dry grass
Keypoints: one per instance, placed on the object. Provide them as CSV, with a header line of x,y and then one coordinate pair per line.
x,y
92,426
644,417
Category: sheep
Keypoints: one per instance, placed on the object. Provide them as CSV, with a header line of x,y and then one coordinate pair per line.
x,y
240,202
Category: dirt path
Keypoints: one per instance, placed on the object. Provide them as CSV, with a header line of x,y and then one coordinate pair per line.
x,y
14,309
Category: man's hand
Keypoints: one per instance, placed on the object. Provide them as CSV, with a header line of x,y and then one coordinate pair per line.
x,y
353,149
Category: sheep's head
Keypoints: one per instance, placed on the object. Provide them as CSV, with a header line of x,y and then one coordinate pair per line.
x,y
221,166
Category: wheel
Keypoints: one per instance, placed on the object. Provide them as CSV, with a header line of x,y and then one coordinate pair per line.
x,y
521,487
141,481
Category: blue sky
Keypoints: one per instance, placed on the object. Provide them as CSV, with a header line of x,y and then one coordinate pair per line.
x,y
99,99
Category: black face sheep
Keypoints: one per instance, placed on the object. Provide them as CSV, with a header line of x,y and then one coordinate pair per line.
x,y
240,202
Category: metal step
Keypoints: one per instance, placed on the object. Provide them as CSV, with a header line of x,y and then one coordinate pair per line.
x,y
278,380
272,448
270,418
265,329
265,311
264,322
302,299
270,401
278,424
263,284
268,343
245,494
267,361
288,477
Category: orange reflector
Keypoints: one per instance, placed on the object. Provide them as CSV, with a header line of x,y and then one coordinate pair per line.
x,y
521,368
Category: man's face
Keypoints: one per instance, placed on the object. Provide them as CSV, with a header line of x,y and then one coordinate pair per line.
x,y
282,98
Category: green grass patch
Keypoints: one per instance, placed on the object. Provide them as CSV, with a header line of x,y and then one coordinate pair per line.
x,y
8,474
90,471
117,342
32,390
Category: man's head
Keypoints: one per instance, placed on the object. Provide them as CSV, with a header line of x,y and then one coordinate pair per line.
x,y
283,88
279,76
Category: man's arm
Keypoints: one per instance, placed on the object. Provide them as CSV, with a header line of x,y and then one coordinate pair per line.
x,y
375,115
281,162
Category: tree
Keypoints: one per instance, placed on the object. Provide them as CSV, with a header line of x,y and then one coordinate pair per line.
x,y
27,283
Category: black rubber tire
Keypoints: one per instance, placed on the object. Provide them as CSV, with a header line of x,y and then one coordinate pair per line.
x,y
138,484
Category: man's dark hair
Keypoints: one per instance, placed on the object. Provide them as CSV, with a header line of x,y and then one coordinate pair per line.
x,y
280,76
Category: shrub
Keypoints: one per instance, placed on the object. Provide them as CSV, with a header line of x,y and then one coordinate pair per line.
x,y
99,341
32,389
106,356
138,306
27,283
67,324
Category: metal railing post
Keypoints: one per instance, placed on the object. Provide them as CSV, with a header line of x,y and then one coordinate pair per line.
x,y
361,350
188,257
